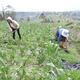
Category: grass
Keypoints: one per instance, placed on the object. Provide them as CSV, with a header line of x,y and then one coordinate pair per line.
x,y
26,59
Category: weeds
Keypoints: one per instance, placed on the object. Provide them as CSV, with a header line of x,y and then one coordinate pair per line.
x,y
22,60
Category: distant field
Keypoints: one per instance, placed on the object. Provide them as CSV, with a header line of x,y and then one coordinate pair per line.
x,y
26,59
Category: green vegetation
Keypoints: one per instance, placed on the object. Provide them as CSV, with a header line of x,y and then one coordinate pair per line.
x,y
35,57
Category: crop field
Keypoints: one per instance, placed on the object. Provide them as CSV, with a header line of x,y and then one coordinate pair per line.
x,y
37,55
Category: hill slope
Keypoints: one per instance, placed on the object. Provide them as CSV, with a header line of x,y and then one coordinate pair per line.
x,y
34,57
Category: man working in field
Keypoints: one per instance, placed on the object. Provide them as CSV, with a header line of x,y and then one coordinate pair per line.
x,y
14,26
62,38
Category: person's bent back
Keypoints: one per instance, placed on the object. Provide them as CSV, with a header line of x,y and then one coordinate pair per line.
x,y
62,37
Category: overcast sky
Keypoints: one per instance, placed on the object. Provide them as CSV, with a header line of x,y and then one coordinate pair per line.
x,y
42,5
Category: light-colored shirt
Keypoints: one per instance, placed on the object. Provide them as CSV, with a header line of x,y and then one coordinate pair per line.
x,y
14,24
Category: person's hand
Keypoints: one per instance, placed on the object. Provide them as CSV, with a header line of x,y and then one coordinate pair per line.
x,y
10,30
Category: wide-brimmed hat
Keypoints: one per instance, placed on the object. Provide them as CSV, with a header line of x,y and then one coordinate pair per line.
x,y
9,18
65,33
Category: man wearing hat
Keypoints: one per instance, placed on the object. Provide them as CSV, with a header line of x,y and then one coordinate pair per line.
x,y
14,26
62,38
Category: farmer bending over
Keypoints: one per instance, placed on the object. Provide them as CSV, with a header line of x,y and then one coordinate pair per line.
x,y
14,26
62,38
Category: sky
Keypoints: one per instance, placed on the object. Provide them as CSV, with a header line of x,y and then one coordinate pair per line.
x,y
42,5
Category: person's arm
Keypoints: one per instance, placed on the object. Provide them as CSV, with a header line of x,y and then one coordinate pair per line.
x,y
10,27
59,39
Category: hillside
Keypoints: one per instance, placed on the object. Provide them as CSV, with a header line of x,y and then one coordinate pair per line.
x,y
37,56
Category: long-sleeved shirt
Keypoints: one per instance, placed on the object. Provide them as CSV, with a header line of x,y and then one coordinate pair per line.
x,y
14,24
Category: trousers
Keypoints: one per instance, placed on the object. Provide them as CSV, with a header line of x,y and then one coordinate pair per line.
x,y
18,32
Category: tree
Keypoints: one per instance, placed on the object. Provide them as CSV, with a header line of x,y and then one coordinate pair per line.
x,y
44,17
1,18
9,11
28,19
2,14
